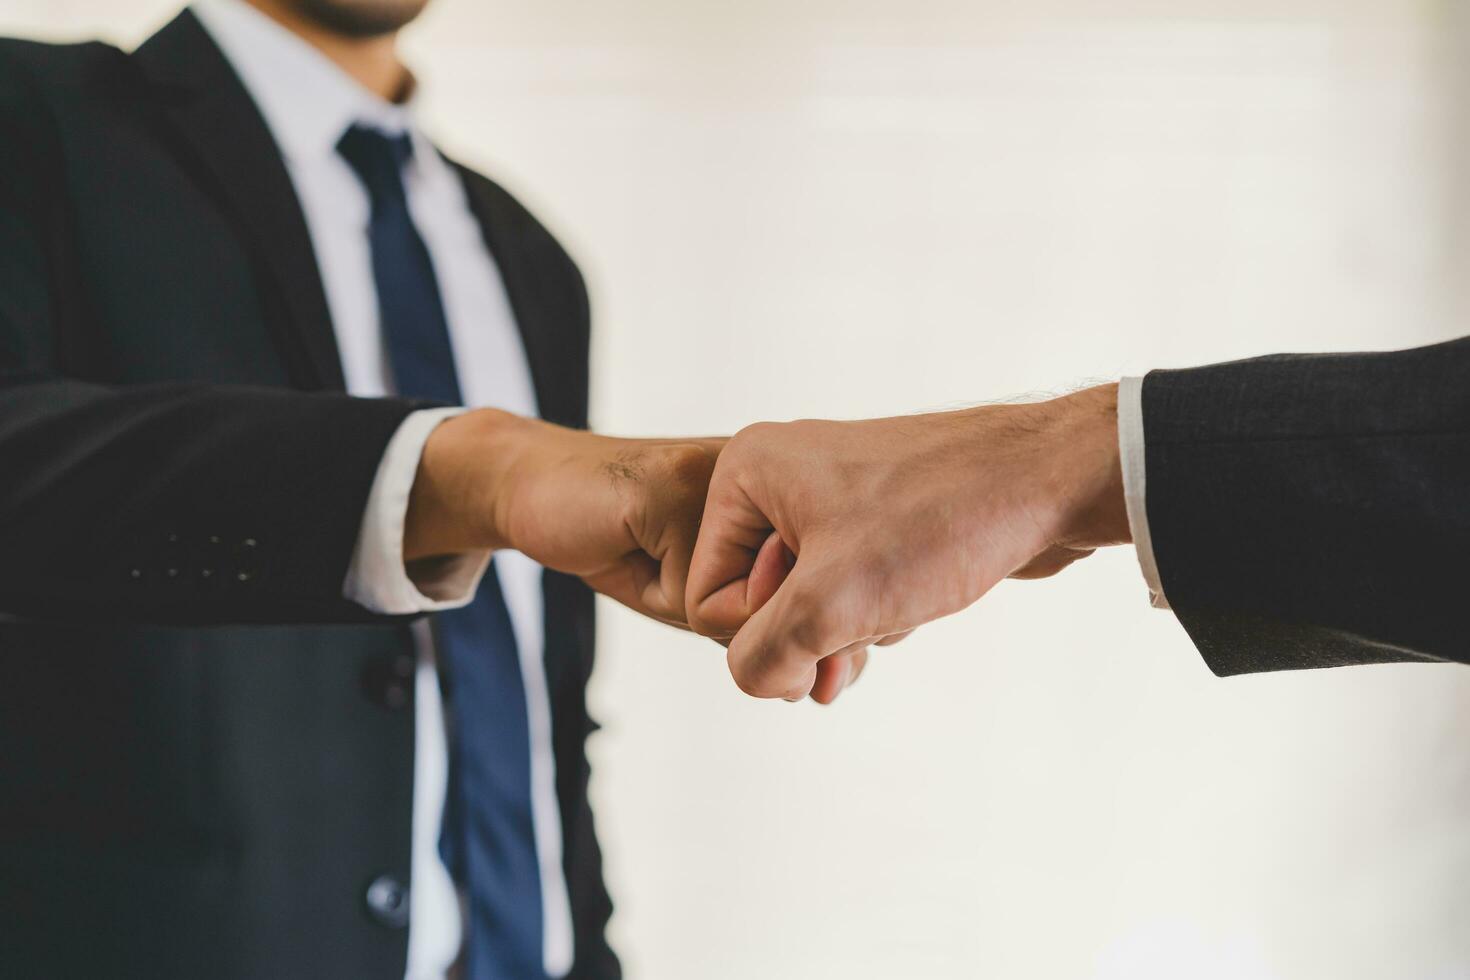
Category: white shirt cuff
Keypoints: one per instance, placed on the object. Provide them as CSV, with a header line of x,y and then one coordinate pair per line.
x,y
1135,470
378,579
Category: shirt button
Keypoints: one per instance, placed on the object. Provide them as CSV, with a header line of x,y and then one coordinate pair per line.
x,y
387,901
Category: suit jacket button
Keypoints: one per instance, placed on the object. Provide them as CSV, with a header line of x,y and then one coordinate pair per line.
x,y
395,696
387,900
389,682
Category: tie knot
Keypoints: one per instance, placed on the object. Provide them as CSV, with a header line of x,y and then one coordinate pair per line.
x,y
378,159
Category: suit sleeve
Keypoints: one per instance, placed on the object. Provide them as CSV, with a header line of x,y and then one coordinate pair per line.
x,y
1314,510
168,503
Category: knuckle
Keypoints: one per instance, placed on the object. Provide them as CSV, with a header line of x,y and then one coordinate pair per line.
x,y
758,680
751,441
687,468
750,682
700,621
752,453
694,617
816,626
750,686
756,432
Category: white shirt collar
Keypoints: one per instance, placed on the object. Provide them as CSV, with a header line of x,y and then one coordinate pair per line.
x,y
307,101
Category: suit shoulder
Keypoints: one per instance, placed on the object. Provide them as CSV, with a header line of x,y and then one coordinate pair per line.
x,y
507,210
41,65
488,189
41,83
42,87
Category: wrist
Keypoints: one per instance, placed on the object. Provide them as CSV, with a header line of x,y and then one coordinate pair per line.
x,y
458,500
1086,472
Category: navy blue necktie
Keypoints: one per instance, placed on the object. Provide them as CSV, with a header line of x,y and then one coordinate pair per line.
x,y
488,841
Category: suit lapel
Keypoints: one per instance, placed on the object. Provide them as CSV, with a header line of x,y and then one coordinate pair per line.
x,y
543,332
222,134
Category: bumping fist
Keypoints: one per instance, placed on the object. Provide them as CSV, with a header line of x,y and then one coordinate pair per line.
x,y
622,514
820,539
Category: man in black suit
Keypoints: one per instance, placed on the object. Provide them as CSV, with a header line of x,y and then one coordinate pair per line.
x,y
1294,511
224,748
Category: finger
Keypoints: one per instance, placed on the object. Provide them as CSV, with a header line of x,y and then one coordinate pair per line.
x,y
776,653
634,582
837,673
664,591
893,638
732,535
833,674
675,484
629,585
773,563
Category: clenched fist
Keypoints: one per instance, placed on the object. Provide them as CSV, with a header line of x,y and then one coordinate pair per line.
x,y
891,523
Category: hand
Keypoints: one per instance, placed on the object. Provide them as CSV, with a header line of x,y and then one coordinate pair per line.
x,y
622,514
893,523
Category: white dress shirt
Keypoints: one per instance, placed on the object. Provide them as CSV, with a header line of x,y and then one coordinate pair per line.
x,y
308,103
1134,463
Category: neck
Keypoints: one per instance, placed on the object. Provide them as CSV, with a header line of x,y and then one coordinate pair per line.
x,y
372,61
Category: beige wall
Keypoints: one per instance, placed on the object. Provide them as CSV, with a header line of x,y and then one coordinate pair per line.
x,y
853,207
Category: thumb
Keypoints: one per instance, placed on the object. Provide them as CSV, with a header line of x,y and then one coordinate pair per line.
x,y
811,616
773,563
738,563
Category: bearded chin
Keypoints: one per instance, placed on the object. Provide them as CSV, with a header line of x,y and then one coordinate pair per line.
x,y
362,18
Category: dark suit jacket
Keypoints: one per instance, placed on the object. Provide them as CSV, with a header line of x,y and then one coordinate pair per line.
x,y
1314,510
206,753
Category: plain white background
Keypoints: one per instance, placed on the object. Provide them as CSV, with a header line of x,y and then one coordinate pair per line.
x,y
860,207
